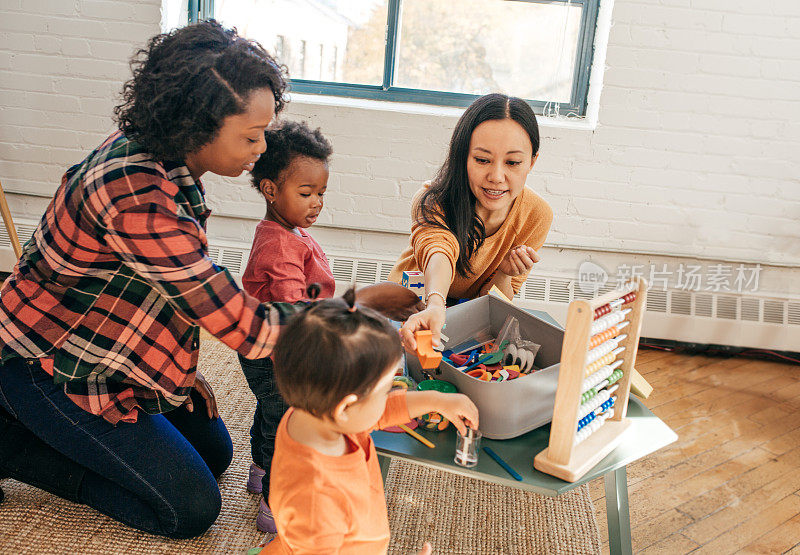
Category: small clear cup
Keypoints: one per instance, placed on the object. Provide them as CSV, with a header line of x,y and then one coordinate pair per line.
x,y
467,446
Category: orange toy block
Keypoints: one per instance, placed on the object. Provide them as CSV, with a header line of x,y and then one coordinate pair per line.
x,y
428,358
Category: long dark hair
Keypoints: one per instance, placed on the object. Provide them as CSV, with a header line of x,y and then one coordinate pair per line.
x,y
186,82
330,350
449,202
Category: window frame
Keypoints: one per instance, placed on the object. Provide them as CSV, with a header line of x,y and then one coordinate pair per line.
x,y
204,9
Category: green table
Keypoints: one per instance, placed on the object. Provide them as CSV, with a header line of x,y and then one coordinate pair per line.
x,y
646,435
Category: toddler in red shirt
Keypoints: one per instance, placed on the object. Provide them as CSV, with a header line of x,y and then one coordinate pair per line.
x,y
292,175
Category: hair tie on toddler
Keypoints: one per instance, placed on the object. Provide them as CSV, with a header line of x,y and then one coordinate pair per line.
x,y
313,291
349,299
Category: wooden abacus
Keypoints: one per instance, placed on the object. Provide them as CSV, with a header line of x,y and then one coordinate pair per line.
x,y
597,357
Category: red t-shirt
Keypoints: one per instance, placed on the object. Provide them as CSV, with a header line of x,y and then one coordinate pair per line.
x,y
283,263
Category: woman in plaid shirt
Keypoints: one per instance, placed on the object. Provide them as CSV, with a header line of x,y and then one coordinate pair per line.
x,y
100,398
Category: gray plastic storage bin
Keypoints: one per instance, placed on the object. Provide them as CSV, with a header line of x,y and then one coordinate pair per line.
x,y
509,408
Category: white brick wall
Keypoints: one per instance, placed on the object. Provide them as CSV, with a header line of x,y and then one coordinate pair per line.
x,y
694,155
62,65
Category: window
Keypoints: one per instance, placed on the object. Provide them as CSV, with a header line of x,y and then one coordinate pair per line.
x,y
445,52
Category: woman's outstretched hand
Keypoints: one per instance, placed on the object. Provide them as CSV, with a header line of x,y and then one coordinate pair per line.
x,y
390,299
518,261
432,318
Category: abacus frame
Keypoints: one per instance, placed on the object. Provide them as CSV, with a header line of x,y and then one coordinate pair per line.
x,y
563,458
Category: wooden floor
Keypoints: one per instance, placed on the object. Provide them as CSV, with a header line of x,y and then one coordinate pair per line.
x,y
731,483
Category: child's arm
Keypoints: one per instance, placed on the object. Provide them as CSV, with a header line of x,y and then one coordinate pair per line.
x,y
402,406
457,408
287,279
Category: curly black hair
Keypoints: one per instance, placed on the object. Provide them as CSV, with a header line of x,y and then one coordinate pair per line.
x,y
186,82
285,142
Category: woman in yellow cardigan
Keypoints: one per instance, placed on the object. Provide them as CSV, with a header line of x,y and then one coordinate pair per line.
x,y
476,224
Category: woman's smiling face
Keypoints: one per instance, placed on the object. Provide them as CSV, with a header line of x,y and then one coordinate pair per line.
x,y
500,158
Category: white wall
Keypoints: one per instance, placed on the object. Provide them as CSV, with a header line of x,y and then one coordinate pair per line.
x,y
694,156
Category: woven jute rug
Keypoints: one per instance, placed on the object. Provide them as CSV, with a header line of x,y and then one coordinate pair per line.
x,y
456,514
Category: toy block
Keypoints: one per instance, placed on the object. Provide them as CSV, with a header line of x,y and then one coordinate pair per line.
x,y
640,386
497,293
415,281
428,358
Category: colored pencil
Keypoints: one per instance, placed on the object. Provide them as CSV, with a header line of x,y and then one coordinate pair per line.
x,y
503,463
416,436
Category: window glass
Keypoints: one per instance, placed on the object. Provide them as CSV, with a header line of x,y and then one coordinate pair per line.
x,y
525,49
339,41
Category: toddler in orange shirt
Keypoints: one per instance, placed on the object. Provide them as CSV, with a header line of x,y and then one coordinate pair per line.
x,y
334,365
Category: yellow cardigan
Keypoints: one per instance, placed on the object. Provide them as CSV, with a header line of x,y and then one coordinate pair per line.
x,y
526,224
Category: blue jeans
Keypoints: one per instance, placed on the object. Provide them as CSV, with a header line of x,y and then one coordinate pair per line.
x,y
270,408
157,474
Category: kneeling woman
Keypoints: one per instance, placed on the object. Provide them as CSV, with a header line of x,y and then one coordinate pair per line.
x,y
100,400
477,225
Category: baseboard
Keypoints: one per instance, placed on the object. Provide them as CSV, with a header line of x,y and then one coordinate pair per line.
x,y
740,320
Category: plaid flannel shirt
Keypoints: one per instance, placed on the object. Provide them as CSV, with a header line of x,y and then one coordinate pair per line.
x,y
111,288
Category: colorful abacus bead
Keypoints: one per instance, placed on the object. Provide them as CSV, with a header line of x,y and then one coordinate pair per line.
x,y
590,382
594,366
592,427
593,403
601,374
585,420
600,337
605,348
615,376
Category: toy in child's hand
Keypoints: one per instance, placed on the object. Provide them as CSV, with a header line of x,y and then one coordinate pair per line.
x,y
467,447
433,421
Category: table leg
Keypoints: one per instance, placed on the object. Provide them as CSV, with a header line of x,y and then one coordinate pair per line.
x,y
384,462
619,519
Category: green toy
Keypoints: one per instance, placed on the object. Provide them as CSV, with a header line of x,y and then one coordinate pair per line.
x,y
433,421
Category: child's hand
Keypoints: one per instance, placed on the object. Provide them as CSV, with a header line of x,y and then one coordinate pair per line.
x,y
426,549
518,261
458,409
390,299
